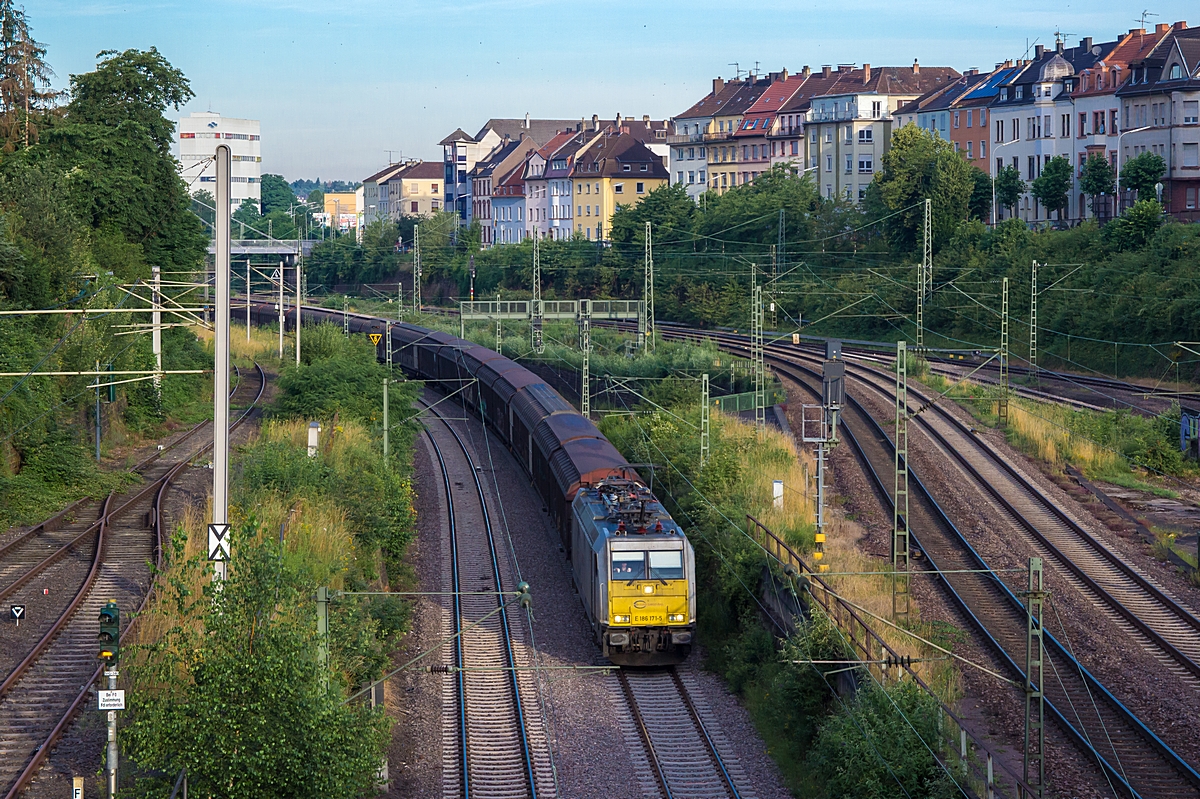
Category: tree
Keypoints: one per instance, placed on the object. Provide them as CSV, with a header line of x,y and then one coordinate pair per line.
x,y
1134,228
23,68
980,204
918,166
666,208
1009,188
277,195
1097,178
1052,187
1141,173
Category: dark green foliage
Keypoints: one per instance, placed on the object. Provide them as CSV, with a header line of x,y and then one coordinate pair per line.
x,y
1141,173
343,260
1134,228
1009,188
338,375
1051,188
231,692
276,194
916,167
980,204
1096,178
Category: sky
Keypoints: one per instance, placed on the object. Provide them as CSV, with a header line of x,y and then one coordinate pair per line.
x,y
337,84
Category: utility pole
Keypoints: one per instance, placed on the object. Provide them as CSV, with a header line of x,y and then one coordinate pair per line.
x,y
704,421
1033,292
388,332
247,300
385,417
535,305
221,360
299,299
98,423
156,333
756,347
345,316
774,285
472,265
282,320
1002,407
323,636
113,752
417,269
585,344
924,277
900,530
648,290
1035,702
499,333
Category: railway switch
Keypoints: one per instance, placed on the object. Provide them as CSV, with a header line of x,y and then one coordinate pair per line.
x,y
110,633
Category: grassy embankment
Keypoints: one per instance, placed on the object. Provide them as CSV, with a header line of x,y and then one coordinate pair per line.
x,y
825,745
342,519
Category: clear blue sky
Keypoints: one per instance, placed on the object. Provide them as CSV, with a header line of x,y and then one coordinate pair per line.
x,y
335,83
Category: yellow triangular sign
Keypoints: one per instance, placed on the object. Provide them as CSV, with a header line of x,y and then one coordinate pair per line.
x,y
375,337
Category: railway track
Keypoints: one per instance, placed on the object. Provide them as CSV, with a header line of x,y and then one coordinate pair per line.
x,y
680,759
499,746
89,562
1135,761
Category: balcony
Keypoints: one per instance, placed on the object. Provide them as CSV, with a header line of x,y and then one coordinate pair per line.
x,y
686,138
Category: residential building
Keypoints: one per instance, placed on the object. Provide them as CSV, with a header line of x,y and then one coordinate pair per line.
x,y
687,159
199,135
757,135
537,188
789,128
460,153
341,210
508,206
376,203
613,169
969,126
851,125
415,190
501,160
732,100
1160,112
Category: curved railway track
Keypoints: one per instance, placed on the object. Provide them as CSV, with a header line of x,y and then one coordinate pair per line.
x,y
1135,761
681,757
108,558
499,748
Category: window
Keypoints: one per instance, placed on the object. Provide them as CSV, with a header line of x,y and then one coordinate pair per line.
x,y
862,194
1047,127
955,119
795,147
414,207
829,163
579,210
1191,199
1020,92
876,109
982,117
829,135
866,135
618,188
1004,94
999,165
970,151
1065,126
1000,130
983,148
701,152
679,154
849,163
680,179
866,164
813,136
1032,168
745,152
970,116
1176,72
641,188
702,178
626,167
1098,123
1191,155
666,565
691,153
754,151
1191,112
1016,128
435,205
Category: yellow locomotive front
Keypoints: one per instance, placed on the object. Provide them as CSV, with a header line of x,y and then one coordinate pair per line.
x,y
636,573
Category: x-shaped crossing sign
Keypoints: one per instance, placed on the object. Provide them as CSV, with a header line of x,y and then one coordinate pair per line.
x,y
218,544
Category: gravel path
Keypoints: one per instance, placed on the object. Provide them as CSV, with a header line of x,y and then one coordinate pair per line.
x,y
581,710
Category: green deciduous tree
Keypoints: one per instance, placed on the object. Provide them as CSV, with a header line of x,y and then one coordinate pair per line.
x,y
1097,178
1052,187
980,203
1141,173
1136,226
1009,188
918,166
277,195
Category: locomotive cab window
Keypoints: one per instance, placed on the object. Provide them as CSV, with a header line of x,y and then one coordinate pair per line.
x,y
666,565
629,565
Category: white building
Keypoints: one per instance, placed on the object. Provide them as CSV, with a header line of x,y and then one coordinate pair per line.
x,y
199,136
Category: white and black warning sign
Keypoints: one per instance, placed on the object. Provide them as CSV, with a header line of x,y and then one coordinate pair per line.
x,y
218,542
16,613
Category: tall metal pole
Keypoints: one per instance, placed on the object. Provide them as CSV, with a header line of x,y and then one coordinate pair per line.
x,y
900,529
499,333
1035,701
98,423
299,300
648,289
1033,292
247,300
156,333
704,419
323,636
385,422
221,352
1002,407
282,320
113,752
924,276
388,333
585,344
417,269
756,348
774,282
345,315
535,305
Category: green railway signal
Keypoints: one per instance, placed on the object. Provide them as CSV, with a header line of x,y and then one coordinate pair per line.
x,y
110,633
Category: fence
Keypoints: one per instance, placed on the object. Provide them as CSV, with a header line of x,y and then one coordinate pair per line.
x,y
733,403
980,776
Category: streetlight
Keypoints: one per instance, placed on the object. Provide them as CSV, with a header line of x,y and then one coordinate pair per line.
x,y
1120,136
996,147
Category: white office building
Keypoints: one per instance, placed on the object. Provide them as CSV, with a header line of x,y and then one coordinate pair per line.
x,y
199,136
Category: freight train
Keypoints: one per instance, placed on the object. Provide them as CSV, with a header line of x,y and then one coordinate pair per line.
x,y
633,565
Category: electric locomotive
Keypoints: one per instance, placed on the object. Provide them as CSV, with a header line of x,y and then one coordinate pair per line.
x,y
635,570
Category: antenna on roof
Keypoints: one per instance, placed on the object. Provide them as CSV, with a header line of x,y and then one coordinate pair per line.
x,y
390,160
1147,13
1060,38
737,71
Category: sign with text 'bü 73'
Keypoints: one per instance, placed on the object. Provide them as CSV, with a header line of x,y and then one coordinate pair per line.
x,y
375,338
218,542
111,700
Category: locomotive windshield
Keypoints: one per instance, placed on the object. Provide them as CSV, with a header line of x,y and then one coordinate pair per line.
x,y
629,565
632,565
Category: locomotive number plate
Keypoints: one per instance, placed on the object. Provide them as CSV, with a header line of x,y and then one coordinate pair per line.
x,y
648,618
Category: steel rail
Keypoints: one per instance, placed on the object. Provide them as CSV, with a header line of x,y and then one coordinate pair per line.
x,y
161,485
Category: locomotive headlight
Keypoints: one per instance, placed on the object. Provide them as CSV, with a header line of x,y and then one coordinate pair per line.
x,y
675,617
647,589
618,619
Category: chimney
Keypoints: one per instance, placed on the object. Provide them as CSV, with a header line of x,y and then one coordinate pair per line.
x,y
806,71
718,84
526,120
1137,31
1039,50
916,67
783,75
618,121
646,120
1180,26
1058,46
866,74
1162,27
1085,44
825,70
595,122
